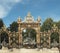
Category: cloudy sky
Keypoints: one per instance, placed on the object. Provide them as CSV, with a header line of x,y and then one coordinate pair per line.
x,y
10,10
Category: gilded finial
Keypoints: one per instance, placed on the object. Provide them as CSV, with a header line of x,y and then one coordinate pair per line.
x,y
38,19
19,19
29,14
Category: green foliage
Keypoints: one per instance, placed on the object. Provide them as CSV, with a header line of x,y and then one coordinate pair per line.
x,y
4,36
33,34
55,36
58,24
1,23
47,25
14,26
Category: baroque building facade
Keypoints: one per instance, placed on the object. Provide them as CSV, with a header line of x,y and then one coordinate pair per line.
x,y
15,39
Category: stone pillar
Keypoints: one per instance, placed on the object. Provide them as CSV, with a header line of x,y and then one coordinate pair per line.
x,y
38,39
19,33
38,36
19,30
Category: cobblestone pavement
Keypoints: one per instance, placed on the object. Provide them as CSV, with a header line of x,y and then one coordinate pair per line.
x,y
23,50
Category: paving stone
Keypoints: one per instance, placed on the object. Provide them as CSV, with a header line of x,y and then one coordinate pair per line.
x,y
23,50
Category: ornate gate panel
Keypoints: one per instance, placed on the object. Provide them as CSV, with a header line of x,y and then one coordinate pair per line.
x,y
14,40
50,32
44,40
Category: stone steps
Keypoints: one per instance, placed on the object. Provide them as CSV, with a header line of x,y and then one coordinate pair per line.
x,y
23,50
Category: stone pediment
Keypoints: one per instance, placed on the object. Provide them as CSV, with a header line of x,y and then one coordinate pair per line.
x,y
29,18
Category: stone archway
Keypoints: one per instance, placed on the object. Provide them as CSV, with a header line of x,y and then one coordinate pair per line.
x,y
29,23
29,38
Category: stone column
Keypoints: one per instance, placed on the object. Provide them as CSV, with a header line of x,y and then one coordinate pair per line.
x,y
38,39
19,30
19,33
38,36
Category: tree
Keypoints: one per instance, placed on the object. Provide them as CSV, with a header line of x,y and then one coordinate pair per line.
x,y
58,24
4,37
47,25
14,26
54,36
1,23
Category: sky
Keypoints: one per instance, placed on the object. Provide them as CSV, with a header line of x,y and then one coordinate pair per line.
x,y
10,10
